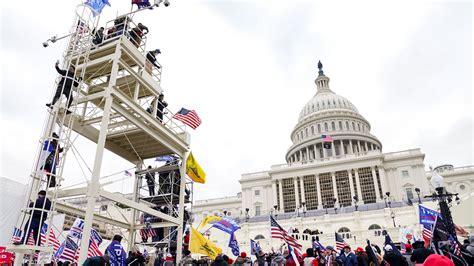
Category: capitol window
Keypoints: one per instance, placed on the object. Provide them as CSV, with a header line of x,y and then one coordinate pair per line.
x,y
405,173
333,126
319,128
340,125
326,127
377,229
257,192
347,125
258,210
345,233
312,130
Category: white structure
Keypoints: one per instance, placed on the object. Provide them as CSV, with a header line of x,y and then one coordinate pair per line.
x,y
116,87
351,188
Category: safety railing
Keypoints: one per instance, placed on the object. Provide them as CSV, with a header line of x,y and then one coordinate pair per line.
x,y
125,26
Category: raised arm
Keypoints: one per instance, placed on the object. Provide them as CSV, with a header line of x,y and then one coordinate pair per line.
x,y
60,71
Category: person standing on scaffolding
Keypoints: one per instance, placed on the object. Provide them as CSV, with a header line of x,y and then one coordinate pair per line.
x,y
151,60
150,180
41,206
65,86
52,150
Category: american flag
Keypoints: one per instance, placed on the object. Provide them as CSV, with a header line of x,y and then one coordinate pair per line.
x,y
93,249
16,237
127,173
340,243
31,240
280,233
147,232
317,245
189,117
52,237
427,234
327,138
454,246
68,250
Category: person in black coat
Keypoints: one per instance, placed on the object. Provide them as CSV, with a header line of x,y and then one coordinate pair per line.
x,y
393,258
150,180
42,206
65,86
420,253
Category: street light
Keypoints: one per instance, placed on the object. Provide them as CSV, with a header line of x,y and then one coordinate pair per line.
x,y
335,208
356,200
304,208
417,190
247,214
443,197
275,208
392,214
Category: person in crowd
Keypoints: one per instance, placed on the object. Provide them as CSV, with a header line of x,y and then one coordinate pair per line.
x,y
362,258
465,242
42,206
150,181
65,85
438,260
241,259
310,259
260,258
219,261
97,261
135,257
407,254
98,36
49,165
117,255
168,260
347,257
137,33
420,253
470,247
331,256
187,259
160,106
320,256
278,260
392,257
151,60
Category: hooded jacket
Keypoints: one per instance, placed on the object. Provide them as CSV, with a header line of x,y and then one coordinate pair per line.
x,y
470,247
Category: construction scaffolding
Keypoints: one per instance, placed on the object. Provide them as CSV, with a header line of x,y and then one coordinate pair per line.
x,y
112,95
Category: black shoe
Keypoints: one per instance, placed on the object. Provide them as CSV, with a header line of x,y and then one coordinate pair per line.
x,y
68,112
49,105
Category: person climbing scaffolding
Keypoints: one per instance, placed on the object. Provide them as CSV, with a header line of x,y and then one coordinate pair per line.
x,y
65,86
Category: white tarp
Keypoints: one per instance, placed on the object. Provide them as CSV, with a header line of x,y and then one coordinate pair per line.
x,y
12,198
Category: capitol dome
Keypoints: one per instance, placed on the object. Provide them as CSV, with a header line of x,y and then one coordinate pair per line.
x,y
329,114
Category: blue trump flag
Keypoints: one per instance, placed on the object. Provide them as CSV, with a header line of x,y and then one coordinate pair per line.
x,y
97,5
427,216
234,245
227,225
254,247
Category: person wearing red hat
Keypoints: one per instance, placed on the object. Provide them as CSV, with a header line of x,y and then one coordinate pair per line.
x,y
362,258
438,260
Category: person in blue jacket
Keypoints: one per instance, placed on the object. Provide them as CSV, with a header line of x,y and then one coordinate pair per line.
x,y
117,255
347,257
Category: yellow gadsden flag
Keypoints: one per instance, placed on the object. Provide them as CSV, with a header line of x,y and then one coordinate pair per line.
x,y
194,170
209,219
199,244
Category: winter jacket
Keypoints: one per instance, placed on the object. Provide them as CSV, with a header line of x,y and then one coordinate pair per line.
x,y
348,259
219,261
420,254
470,247
279,260
394,259
67,79
241,261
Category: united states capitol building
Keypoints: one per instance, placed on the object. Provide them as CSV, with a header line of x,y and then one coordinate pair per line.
x,y
352,188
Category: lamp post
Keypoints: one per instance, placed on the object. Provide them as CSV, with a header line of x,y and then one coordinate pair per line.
x,y
356,200
335,208
326,205
304,208
417,190
275,208
392,214
443,197
247,214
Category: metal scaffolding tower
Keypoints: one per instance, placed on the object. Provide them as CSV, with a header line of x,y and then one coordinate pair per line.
x,y
112,106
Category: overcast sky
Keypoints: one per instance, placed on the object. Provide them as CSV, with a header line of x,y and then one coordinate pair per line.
x,y
248,67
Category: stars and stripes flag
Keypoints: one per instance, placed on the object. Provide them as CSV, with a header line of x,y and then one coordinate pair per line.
x,y
52,237
278,232
340,243
68,250
147,232
188,117
327,138
317,245
16,237
427,219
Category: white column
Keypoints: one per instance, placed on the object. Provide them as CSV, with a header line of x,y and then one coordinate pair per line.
x,y
280,188
358,146
325,153
333,147
351,149
303,197
359,189
297,197
341,147
301,155
318,191
316,151
376,185
274,190
334,185
383,179
351,184
308,157
373,146
366,146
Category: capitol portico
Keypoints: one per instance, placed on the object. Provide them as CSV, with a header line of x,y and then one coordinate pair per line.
x,y
352,187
